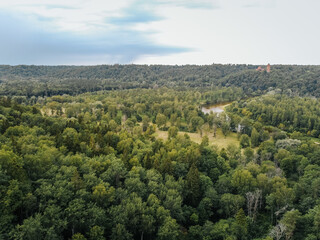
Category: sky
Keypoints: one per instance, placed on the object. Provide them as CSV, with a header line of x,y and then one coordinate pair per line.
x,y
91,32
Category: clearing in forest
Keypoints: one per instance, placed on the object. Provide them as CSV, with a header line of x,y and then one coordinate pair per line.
x,y
220,140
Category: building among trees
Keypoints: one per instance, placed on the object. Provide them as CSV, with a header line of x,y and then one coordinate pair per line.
x,y
260,69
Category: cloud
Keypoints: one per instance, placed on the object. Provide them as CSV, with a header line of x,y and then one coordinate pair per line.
x,y
251,3
133,18
83,32
136,12
54,6
140,11
22,43
204,4
82,16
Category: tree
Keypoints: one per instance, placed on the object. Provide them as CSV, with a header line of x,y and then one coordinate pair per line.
x,y
244,141
172,132
289,220
115,172
242,180
281,196
78,236
119,232
221,230
225,128
195,232
96,233
249,154
173,202
231,203
169,230
255,137
77,215
204,142
125,146
129,125
12,164
31,229
193,185
196,123
254,201
288,143
161,120
101,195
241,224
278,231
147,225
214,130
315,216
145,123
70,139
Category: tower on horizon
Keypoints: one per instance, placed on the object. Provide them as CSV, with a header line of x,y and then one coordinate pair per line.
x,y
268,68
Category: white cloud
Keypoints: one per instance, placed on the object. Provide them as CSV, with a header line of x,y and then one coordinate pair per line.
x,y
85,16
269,31
191,3
78,16
226,31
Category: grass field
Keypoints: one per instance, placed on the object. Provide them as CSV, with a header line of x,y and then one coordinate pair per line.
x,y
220,141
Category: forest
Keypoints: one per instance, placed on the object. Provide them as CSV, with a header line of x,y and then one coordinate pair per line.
x,y
44,81
125,152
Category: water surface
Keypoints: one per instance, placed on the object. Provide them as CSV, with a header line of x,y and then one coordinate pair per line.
x,y
215,108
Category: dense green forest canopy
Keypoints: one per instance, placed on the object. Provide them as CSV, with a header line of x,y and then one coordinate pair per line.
x,y
109,152
57,80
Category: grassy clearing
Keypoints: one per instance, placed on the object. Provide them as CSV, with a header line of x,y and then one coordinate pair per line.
x,y
220,141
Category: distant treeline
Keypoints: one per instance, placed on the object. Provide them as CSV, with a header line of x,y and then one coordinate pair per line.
x,y
58,80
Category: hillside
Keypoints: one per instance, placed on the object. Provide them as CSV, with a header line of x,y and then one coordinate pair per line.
x,y
58,80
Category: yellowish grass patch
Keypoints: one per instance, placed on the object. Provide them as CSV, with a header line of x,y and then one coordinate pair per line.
x,y
220,141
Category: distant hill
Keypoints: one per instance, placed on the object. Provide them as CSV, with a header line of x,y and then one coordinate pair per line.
x,y
52,80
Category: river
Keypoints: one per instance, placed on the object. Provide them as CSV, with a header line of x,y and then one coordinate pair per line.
x,y
215,108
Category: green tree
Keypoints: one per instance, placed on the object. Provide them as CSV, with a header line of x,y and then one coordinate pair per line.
x,y
255,138
225,128
119,232
244,141
242,180
12,164
145,123
249,154
31,229
193,185
231,204
77,215
70,139
172,132
96,233
169,230
78,236
196,123
241,224
161,120
173,202
116,171
289,220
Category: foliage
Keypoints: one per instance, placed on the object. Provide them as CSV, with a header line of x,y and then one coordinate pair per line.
x,y
90,166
